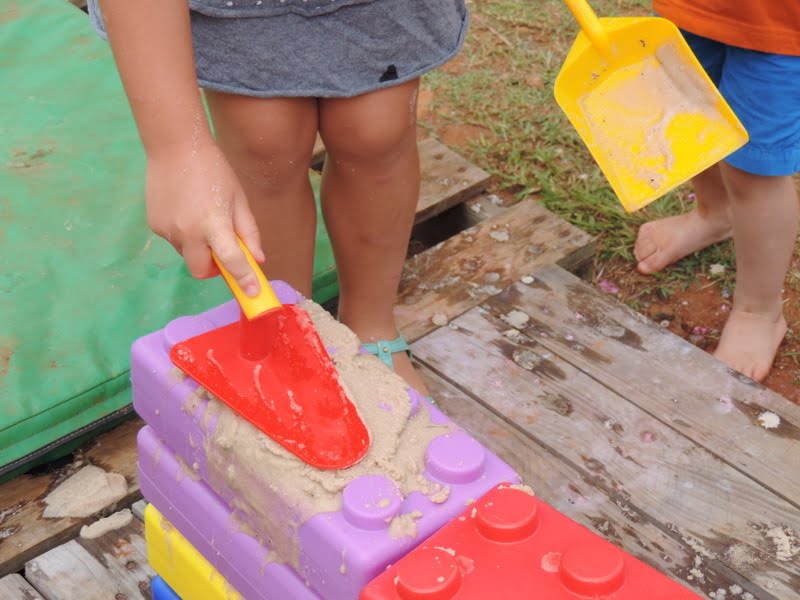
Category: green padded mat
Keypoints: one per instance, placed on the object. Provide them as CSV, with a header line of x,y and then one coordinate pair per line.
x,y
81,276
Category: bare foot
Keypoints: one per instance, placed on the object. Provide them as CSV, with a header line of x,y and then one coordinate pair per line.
x,y
750,341
665,241
406,370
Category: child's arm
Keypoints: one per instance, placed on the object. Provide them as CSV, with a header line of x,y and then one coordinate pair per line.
x,y
194,199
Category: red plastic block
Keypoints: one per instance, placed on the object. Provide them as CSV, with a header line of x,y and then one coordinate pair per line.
x,y
511,545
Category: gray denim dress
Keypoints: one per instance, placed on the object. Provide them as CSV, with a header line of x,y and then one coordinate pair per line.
x,y
318,48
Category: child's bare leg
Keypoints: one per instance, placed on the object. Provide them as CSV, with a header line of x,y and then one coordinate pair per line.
x,y
765,213
665,241
269,143
370,191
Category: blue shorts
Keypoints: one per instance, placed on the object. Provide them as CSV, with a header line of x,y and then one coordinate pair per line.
x,y
764,92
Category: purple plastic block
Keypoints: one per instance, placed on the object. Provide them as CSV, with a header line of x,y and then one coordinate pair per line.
x,y
207,523
339,552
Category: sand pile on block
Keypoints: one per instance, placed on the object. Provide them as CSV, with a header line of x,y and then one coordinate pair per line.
x,y
85,493
275,492
99,528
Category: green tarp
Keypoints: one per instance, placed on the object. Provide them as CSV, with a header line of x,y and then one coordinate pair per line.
x,y
81,276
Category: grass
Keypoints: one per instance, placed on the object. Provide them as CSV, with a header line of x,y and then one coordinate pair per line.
x,y
502,86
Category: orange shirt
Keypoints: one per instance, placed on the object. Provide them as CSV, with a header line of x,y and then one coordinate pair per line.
x,y
766,25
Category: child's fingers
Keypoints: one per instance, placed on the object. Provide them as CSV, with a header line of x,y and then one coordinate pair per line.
x,y
230,256
246,228
198,259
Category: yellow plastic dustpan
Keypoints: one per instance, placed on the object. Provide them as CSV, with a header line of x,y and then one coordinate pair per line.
x,y
643,105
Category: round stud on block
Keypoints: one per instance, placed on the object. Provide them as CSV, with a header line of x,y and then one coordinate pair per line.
x,y
510,516
286,293
183,328
455,458
592,569
370,502
428,574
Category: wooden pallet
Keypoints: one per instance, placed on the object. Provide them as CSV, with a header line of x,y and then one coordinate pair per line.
x,y
535,238
622,426
629,430
111,567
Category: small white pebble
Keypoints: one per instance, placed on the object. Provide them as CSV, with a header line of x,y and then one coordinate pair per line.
x,y
496,200
527,279
716,269
439,319
769,420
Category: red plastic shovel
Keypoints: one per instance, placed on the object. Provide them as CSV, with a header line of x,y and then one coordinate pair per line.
x,y
272,369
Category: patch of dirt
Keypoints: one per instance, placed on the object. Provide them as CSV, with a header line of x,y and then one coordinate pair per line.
x,y
698,314
456,135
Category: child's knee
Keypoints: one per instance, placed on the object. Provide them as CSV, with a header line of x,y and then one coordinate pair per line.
x,y
367,142
270,162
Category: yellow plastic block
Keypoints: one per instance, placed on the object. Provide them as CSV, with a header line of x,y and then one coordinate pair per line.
x,y
186,571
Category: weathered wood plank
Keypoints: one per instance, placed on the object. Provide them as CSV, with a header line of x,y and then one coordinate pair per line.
x,y
456,275
633,457
669,378
571,490
124,554
447,179
112,566
14,587
481,207
138,509
25,533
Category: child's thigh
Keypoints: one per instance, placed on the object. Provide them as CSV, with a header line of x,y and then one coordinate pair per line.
x,y
764,92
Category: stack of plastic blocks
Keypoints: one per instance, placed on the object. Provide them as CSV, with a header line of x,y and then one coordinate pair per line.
x,y
199,548
490,538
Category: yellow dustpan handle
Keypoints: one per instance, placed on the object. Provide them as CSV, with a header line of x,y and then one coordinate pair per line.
x,y
266,298
590,24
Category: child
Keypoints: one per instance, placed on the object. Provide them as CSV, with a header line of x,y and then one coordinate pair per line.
x,y
751,50
274,74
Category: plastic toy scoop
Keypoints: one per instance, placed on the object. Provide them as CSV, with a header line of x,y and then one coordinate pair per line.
x,y
272,368
643,105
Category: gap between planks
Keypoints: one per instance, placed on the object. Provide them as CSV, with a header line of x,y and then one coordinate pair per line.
x,y
25,533
111,566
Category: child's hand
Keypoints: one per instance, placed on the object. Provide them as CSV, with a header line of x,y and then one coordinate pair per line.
x,y
195,202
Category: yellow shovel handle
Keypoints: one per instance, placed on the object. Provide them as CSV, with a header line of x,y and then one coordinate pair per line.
x,y
590,25
266,298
